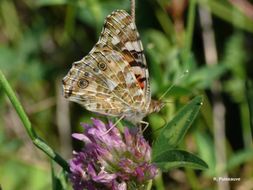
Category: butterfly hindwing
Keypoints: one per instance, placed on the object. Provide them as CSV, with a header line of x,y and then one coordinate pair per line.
x,y
83,86
109,85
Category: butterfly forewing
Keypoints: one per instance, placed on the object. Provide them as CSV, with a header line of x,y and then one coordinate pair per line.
x,y
120,34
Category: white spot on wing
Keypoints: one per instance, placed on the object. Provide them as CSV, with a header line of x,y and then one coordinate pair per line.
x,y
111,84
129,46
133,46
137,93
117,31
136,46
132,26
115,40
141,46
129,78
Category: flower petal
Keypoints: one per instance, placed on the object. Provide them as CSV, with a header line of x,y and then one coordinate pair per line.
x,y
81,137
104,177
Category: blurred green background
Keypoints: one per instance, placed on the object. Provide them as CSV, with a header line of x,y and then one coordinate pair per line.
x,y
39,40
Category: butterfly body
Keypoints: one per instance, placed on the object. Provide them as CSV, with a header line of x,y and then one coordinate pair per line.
x,y
113,78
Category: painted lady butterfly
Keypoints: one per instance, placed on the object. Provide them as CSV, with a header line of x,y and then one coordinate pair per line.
x,y
113,78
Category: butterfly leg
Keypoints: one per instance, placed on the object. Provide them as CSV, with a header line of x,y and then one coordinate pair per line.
x,y
116,123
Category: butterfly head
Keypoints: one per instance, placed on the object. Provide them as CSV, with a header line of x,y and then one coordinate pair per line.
x,y
156,106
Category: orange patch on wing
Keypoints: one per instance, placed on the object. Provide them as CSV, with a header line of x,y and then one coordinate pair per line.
x,y
141,81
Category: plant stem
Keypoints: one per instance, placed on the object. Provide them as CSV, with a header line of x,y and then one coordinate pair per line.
x,y
219,110
189,30
224,12
159,182
249,95
149,185
27,124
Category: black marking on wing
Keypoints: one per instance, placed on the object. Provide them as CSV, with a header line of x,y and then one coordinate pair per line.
x,y
137,64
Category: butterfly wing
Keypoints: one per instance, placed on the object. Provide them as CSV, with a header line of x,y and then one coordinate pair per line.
x,y
113,78
81,85
120,34
103,83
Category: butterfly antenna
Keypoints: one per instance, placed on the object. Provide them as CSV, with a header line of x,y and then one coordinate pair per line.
x,y
133,10
168,102
177,80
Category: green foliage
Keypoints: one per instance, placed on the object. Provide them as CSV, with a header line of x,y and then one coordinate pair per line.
x,y
59,181
171,135
229,13
239,158
164,154
40,39
178,158
234,59
19,175
206,149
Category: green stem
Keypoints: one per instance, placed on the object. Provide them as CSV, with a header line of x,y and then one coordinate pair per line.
x,y
159,182
69,25
223,11
27,124
192,179
149,185
189,30
165,21
249,96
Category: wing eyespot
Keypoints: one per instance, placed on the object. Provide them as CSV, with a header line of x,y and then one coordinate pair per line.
x,y
102,66
96,70
86,74
83,83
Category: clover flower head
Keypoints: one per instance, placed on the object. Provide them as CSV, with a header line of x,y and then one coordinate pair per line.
x,y
111,160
